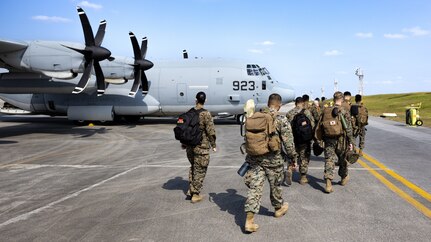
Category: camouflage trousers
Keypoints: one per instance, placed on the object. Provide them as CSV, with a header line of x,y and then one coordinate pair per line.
x,y
255,179
361,133
198,170
335,151
304,153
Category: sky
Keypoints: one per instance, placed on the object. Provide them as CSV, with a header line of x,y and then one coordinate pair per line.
x,y
307,43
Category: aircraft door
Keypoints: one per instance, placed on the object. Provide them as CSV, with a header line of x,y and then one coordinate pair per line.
x,y
182,93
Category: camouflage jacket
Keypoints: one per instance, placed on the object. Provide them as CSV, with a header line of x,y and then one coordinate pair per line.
x,y
315,111
206,125
284,131
291,114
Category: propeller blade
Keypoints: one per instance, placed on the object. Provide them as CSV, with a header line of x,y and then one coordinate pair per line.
x,y
144,47
100,33
135,46
86,27
136,83
144,82
100,79
85,77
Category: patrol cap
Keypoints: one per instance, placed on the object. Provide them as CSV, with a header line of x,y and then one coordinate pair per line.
x,y
351,157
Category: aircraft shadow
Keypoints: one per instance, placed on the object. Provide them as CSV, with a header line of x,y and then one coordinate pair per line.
x,y
49,128
233,203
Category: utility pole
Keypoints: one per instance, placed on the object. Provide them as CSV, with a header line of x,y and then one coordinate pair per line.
x,y
322,92
335,85
360,75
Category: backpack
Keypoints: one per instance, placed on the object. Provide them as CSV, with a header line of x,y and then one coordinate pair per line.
x,y
260,136
360,113
301,125
332,126
187,130
363,116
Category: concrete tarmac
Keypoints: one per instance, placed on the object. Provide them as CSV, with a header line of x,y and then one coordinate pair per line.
x,y
61,182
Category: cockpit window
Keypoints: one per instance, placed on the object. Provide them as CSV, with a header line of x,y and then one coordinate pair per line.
x,y
255,70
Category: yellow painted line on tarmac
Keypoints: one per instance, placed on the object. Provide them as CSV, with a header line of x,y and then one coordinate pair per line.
x,y
419,206
401,179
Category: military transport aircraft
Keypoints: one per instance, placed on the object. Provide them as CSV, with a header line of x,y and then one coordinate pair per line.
x,y
55,78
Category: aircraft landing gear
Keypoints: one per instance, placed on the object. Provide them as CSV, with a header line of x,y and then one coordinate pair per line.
x,y
239,118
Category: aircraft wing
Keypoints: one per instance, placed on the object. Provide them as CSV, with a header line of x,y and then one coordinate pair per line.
x,y
10,46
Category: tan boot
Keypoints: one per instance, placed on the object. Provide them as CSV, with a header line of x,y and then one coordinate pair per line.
x,y
196,198
361,153
282,211
250,226
328,188
344,180
287,177
303,179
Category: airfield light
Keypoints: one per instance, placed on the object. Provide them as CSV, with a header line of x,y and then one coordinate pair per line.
x,y
360,75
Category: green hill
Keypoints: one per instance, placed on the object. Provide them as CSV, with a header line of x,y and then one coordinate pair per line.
x,y
396,103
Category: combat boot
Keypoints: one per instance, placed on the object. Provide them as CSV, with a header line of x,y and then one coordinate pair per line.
x,y
303,179
196,198
328,188
188,195
282,211
287,177
361,153
250,226
344,180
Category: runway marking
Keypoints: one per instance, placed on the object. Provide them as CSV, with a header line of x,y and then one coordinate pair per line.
x,y
35,166
419,206
27,215
401,179
237,167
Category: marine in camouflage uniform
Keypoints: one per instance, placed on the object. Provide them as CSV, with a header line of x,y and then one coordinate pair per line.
x,y
198,156
335,149
303,150
358,129
269,166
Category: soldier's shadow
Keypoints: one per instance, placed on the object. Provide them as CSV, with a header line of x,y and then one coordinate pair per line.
x,y
233,203
177,183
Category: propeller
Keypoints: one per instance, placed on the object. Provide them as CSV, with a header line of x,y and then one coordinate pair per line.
x,y
140,65
93,54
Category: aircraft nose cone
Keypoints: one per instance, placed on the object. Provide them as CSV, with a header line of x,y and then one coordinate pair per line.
x,y
285,91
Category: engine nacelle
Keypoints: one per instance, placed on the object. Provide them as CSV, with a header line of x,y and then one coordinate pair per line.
x,y
91,113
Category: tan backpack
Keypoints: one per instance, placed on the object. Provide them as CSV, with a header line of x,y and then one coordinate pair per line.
x,y
261,136
332,126
363,116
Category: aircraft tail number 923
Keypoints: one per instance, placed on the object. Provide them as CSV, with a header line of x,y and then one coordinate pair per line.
x,y
244,86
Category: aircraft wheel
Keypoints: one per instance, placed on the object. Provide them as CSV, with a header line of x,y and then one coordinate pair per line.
x,y
240,118
132,119
81,122
419,122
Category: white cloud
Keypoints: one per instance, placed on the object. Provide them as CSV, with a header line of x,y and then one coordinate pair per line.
x,y
395,36
364,35
54,19
387,82
332,53
88,4
255,51
417,31
267,43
